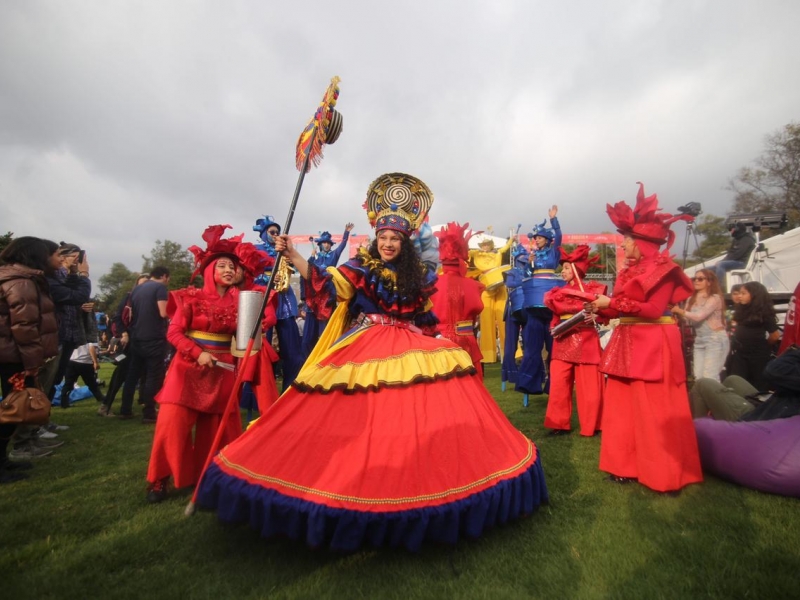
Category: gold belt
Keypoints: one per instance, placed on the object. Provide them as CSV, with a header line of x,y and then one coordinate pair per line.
x,y
640,321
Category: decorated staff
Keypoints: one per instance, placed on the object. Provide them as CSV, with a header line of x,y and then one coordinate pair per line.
x,y
576,352
323,128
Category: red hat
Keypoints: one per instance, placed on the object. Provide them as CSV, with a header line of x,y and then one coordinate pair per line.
x,y
243,254
453,243
579,258
643,222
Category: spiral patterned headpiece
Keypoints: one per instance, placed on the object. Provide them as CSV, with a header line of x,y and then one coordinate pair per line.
x,y
399,202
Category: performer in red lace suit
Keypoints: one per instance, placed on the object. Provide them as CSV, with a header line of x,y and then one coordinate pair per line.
x,y
648,433
576,354
196,389
457,301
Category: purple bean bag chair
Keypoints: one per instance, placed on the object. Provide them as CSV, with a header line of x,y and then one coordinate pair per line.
x,y
763,455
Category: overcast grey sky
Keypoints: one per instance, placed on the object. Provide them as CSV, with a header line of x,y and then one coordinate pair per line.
x,y
127,122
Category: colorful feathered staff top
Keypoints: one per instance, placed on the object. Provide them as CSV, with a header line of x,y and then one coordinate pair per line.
x,y
398,201
323,128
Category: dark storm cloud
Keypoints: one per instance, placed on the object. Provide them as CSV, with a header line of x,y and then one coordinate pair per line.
x,y
125,122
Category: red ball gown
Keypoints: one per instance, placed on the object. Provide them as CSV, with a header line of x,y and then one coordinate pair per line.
x,y
387,436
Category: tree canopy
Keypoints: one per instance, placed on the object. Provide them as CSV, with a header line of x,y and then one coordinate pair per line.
x,y
114,285
171,255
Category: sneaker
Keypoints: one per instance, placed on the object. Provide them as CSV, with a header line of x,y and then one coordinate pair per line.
x,y
49,444
105,411
46,435
54,427
28,452
157,492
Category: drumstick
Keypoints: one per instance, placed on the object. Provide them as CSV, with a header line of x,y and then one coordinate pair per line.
x,y
577,277
580,284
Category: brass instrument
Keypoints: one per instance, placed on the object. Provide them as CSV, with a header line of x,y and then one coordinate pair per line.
x,y
282,276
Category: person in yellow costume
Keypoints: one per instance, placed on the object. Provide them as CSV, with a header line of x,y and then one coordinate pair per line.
x,y
487,261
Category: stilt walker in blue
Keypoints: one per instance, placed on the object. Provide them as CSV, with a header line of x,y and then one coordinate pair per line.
x,y
514,315
544,259
290,345
324,257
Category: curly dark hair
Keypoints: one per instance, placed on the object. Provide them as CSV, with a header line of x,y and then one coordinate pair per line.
x,y
410,270
759,311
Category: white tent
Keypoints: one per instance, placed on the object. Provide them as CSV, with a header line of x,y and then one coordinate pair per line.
x,y
777,266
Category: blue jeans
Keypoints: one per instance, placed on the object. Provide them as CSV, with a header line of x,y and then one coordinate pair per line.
x,y
723,267
710,351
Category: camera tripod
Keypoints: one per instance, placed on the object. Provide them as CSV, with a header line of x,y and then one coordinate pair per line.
x,y
760,256
690,229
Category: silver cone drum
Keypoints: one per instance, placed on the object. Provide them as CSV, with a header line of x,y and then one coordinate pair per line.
x,y
568,325
249,315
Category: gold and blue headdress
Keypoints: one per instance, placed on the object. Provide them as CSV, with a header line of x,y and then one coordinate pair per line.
x,y
399,202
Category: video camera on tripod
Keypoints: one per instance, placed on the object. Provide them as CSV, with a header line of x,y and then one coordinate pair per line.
x,y
693,209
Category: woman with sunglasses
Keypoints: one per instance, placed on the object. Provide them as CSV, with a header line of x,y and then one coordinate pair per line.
x,y
705,311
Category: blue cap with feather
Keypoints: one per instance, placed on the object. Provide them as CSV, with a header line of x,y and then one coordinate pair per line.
x,y
325,237
541,230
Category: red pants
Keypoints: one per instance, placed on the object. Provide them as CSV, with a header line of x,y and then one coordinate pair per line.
x,y
588,384
648,433
176,453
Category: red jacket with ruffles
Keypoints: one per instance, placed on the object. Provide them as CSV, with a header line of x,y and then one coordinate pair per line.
x,y
582,344
646,290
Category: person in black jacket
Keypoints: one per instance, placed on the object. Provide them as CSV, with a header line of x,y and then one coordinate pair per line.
x,y
740,249
121,359
70,287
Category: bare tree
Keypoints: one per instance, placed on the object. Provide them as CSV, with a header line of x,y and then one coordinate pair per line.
x,y
774,183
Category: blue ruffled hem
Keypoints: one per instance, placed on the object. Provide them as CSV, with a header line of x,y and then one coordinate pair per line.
x,y
272,513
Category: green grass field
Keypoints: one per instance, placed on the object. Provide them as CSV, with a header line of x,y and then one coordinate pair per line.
x,y
79,527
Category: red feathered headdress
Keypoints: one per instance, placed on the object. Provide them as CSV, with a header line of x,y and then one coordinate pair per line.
x,y
453,243
644,222
243,254
579,259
